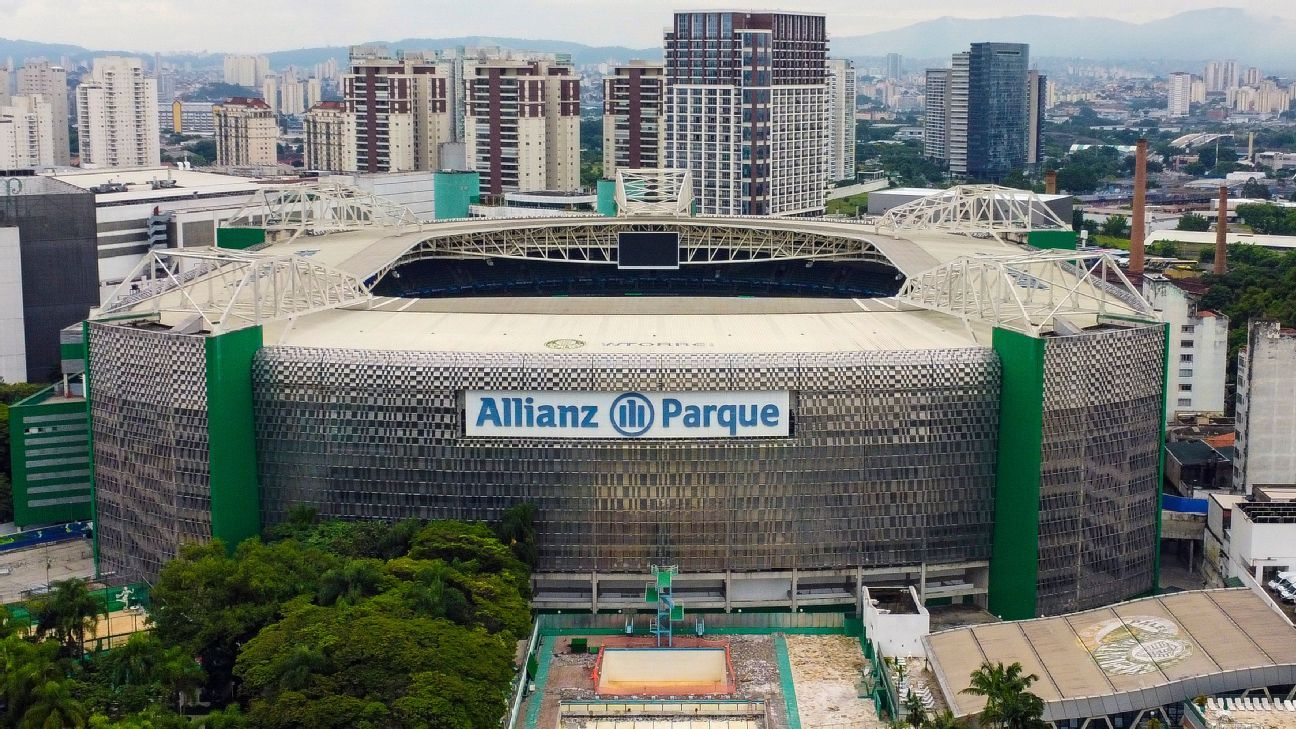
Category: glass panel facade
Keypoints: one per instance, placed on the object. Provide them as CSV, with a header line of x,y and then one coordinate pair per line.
x,y
891,460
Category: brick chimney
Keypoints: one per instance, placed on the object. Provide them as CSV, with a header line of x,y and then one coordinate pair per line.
x,y
1138,222
1050,182
1221,234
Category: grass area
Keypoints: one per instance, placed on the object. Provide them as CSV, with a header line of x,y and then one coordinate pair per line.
x,y
852,205
1110,241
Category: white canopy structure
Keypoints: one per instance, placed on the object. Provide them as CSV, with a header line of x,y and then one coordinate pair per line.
x,y
653,192
323,207
1033,293
974,210
218,290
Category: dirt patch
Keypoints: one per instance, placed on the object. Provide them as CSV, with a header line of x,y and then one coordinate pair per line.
x,y
826,670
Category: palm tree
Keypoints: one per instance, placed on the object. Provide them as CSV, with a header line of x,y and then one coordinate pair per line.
x,y
68,612
52,707
26,666
295,673
355,580
916,712
1009,703
944,720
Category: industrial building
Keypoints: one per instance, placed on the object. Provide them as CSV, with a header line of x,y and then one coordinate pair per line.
x,y
789,410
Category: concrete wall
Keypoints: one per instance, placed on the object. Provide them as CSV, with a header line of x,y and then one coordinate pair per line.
x,y
897,635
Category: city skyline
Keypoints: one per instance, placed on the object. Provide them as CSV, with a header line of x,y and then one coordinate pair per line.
x,y
167,25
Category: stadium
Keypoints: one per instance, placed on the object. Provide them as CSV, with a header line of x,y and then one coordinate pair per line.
x,y
786,410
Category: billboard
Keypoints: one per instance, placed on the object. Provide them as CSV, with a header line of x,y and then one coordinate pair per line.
x,y
535,414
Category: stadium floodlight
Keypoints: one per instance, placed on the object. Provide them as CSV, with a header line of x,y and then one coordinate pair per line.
x,y
319,207
974,210
1032,293
653,191
229,290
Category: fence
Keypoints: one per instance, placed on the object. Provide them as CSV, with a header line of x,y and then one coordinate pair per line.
x,y
125,612
712,622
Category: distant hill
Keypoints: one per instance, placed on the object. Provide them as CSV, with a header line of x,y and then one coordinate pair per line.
x,y
1192,36
308,57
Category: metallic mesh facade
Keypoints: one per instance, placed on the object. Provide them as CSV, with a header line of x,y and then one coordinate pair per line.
x,y
1099,484
891,461
148,408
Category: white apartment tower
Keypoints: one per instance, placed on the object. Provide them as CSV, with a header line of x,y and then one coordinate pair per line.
x,y
1179,93
956,134
1198,352
400,106
117,119
247,132
746,110
522,125
246,70
1266,408
634,125
841,120
936,116
26,133
329,138
41,78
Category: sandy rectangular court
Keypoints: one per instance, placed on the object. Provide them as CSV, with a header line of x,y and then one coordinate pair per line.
x,y
663,672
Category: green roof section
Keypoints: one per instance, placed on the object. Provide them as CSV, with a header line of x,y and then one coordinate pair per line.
x,y
1014,555
453,192
1064,240
239,238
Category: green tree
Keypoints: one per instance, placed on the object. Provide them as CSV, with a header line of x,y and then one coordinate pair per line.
x,y
915,712
26,668
69,612
352,581
1193,222
517,529
944,720
1116,226
1256,190
53,707
1009,702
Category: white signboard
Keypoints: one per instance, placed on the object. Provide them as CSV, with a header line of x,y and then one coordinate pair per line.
x,y
626,414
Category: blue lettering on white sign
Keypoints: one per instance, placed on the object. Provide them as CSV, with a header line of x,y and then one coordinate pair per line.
x,y
627,414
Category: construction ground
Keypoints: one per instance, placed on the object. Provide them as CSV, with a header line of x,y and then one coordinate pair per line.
x,y
805,681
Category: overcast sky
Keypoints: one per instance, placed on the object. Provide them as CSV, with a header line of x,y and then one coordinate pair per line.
x,y
271,25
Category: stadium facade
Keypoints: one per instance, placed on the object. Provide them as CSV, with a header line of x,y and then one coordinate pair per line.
x,y
968,414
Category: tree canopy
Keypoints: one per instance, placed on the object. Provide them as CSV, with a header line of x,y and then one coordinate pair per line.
x,y
1009,702
324,624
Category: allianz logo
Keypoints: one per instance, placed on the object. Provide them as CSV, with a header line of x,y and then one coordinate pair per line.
x,y
629,414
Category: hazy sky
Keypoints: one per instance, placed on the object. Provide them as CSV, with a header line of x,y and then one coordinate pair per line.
x,y
269,25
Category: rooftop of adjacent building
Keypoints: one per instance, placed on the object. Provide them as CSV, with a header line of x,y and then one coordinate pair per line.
x,y
36,185
252,103
1232,237
1256,711
148,183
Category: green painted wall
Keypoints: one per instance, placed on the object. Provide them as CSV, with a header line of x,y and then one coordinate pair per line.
x,y
1014,557
607,198
235,494
239,238
453,192
1055,239
50,458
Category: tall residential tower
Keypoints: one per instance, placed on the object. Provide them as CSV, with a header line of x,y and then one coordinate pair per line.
x,y
117,121
841,120
634,128
41,78
746,110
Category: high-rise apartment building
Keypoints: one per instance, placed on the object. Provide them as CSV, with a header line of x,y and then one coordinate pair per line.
x,y
329,136
41,78
401,108
894,63
1037,99
634,125
247,132
246,70
1266,407
1197,345
746,110
4,85
840,149
522,125
992,107
1179,93
1251,77
117,120
936,123
26,133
